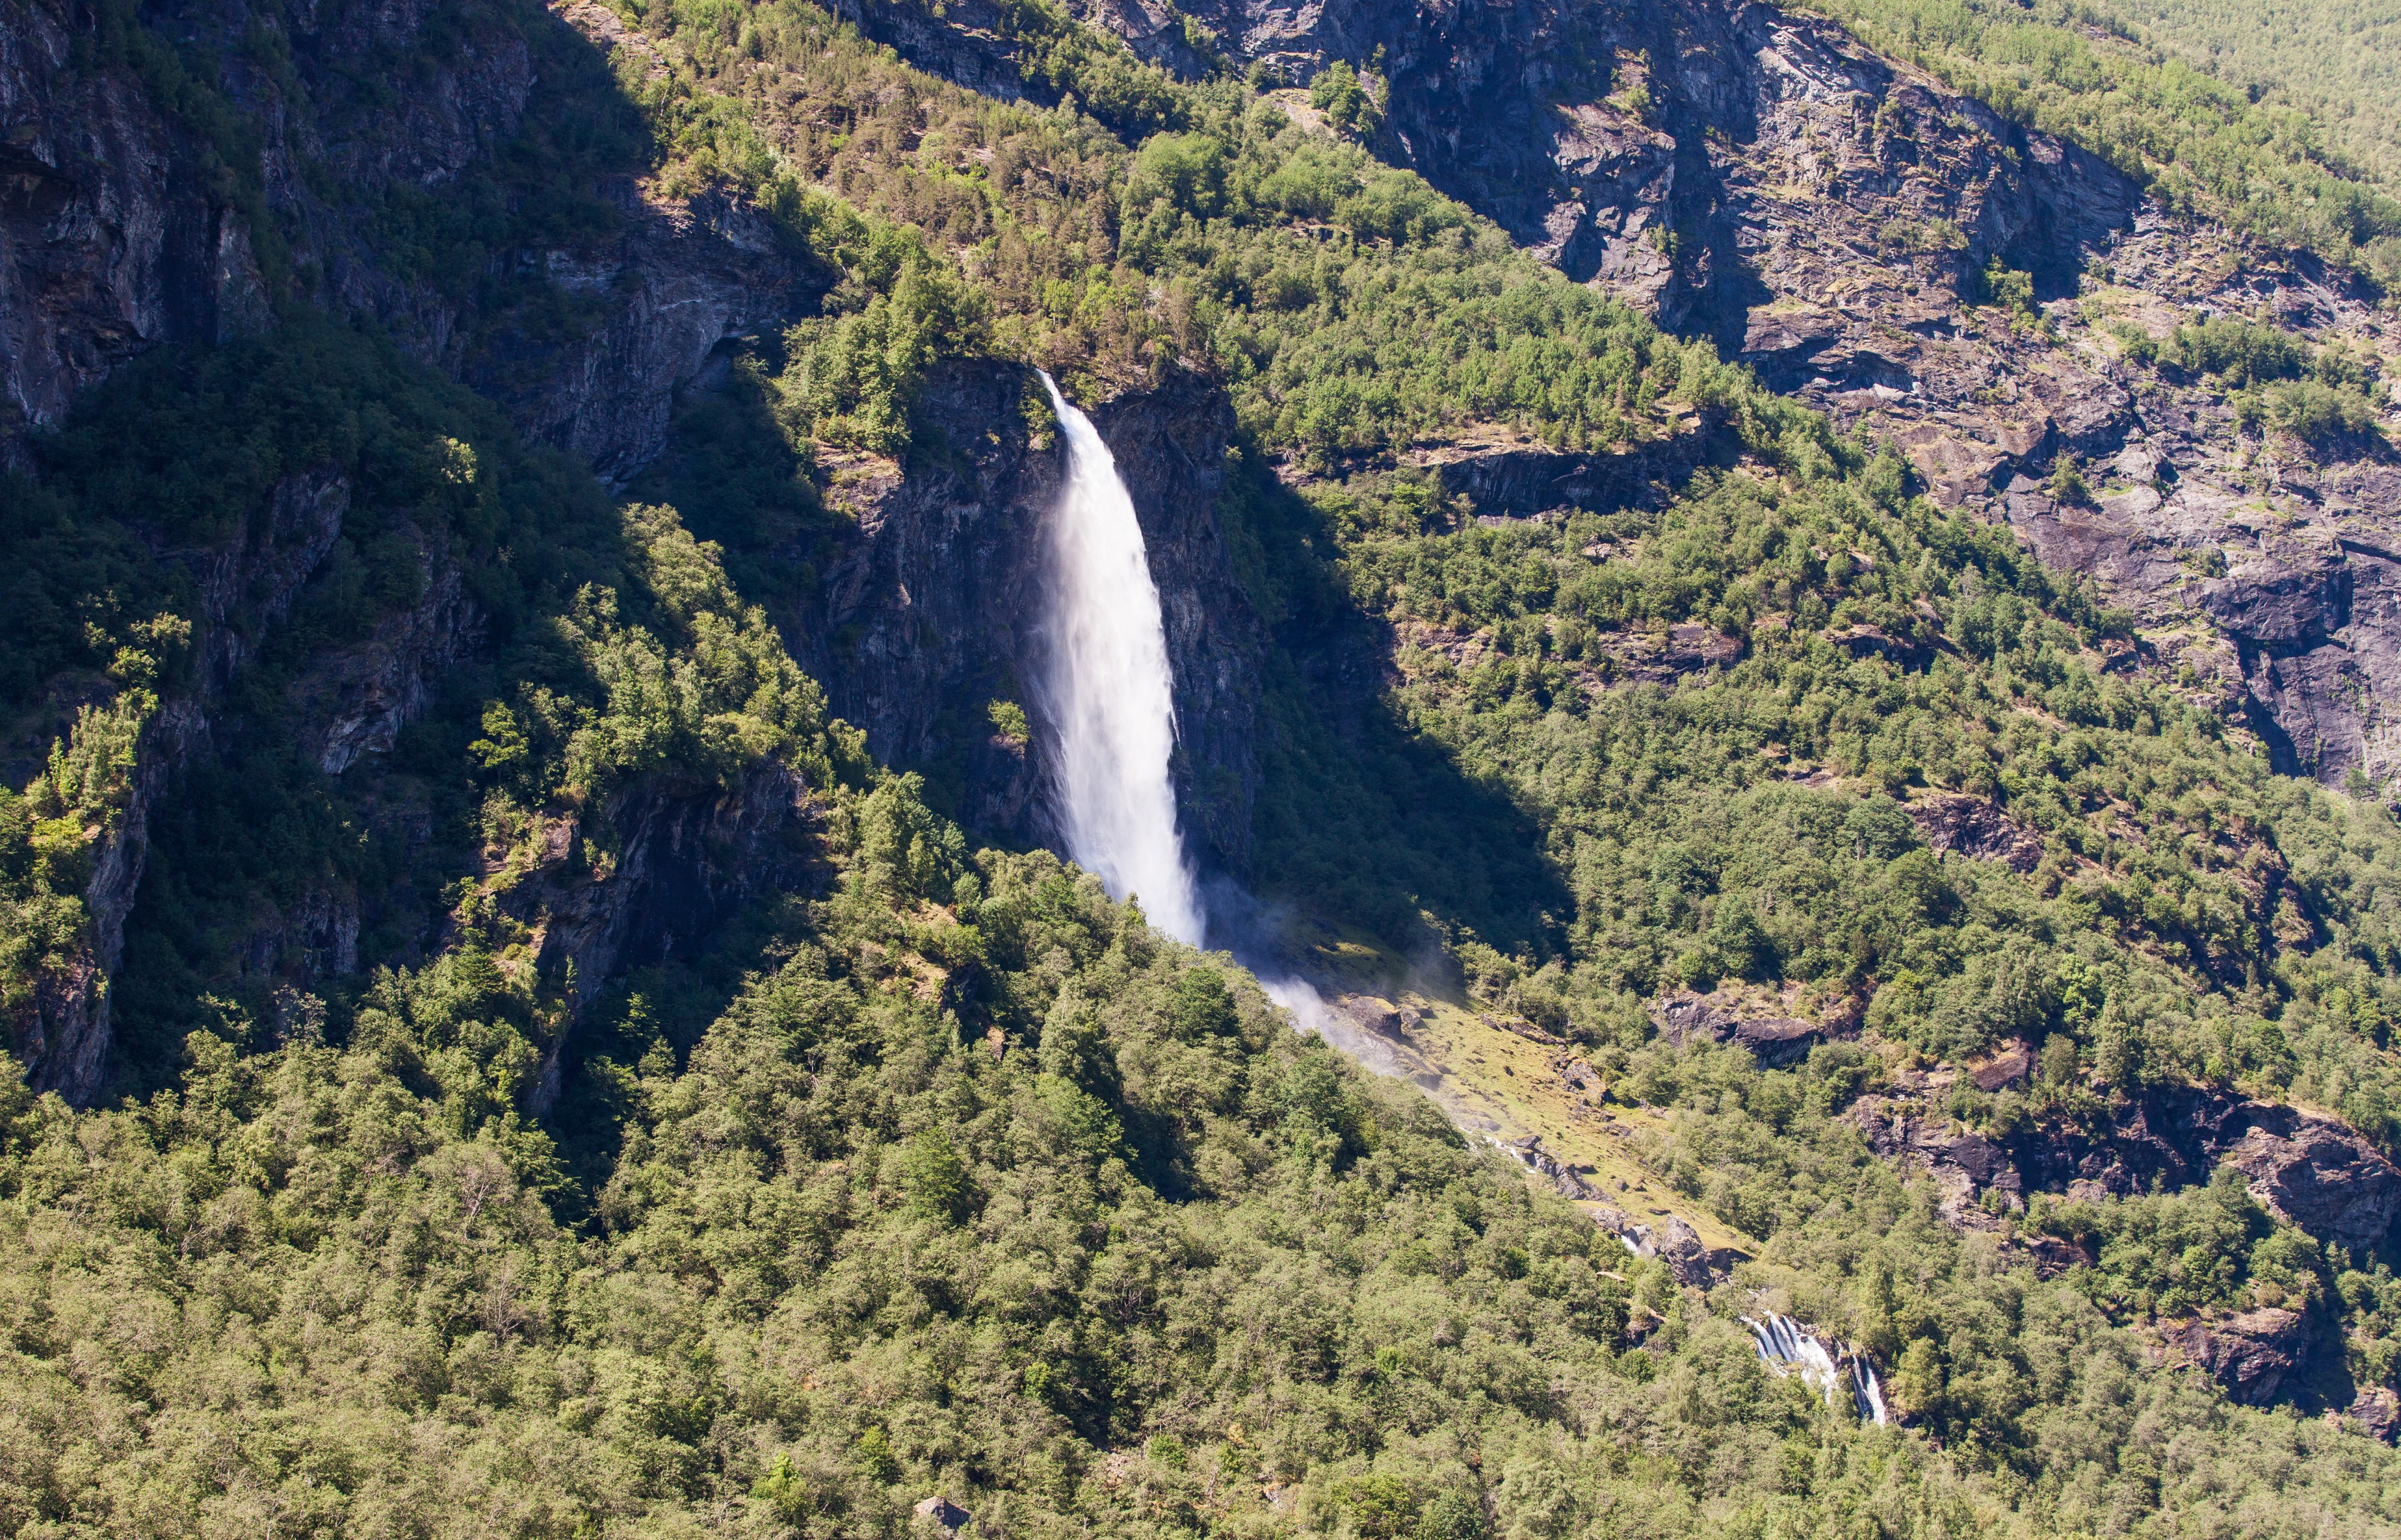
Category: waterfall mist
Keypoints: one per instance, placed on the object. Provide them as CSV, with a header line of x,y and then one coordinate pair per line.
x,y
1109,692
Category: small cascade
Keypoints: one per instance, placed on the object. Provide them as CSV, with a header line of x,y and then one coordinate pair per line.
x,y
1109,690
1788,1347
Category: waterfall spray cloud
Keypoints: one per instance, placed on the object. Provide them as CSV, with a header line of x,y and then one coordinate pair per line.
x,y
1109,690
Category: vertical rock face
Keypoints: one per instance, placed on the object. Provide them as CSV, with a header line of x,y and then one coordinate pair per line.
x,y
114,238
675,280
244,588
1171,448
108,245
356,699
933,609
1753,175
688,854
2251,1355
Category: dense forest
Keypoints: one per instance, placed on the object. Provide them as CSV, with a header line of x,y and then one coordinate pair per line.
x,y
927,1171
2330,61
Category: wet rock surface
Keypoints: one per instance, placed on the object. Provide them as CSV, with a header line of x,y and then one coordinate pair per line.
x,y
1665,1237
932,607
1753,175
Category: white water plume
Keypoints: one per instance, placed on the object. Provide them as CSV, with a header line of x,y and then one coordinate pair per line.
x,y
1110,692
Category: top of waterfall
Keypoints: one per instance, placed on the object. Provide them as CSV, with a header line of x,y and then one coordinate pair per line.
x,y
1109,690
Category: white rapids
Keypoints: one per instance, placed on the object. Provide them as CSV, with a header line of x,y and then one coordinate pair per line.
x,y
1837,1374
1109,691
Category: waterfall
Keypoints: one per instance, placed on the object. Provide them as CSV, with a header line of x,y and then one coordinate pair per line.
x,y
1788,1347
1109,692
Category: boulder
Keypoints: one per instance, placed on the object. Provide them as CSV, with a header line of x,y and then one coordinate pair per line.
x,y
2318,1174
1565,1179
1775,1041
2250,1354
1664,1237
1373,1015
2376,1412
1577,1074
2007,1063
1956,825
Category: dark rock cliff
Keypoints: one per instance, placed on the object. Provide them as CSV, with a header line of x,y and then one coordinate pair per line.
x,y
933,607
2306,1169
127,224
244,587
682,857
115,237
117,234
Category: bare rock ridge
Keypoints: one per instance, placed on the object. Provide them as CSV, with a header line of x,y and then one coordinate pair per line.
x,y
2308,1169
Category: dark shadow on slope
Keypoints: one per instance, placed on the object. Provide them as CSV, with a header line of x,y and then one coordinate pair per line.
x,y
268,874
1363,819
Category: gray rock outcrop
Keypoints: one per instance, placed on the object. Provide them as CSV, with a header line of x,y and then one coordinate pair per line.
x,y
2308,1169
1775,1040
931,607
2251,1355
1753,175
117,238
1972,826
2318,1174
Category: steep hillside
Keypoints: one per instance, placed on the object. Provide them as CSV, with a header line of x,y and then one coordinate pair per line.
x,y
1779,640
2329,60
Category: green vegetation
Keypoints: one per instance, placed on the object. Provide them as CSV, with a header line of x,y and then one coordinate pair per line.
x,y
848,1258
2335,61
944,1174
1347,106
2202,145
615,649
2274,380
1349,309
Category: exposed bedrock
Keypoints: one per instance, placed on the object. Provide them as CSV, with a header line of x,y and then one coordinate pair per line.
x,y
688,854
2311,1170
114,238
933,609
1754,175
351,702
2253,1354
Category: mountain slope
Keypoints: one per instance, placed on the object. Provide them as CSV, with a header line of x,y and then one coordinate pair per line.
x,y
532,1033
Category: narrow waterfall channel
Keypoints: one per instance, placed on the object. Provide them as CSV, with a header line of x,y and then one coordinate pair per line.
x,y
1110,691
